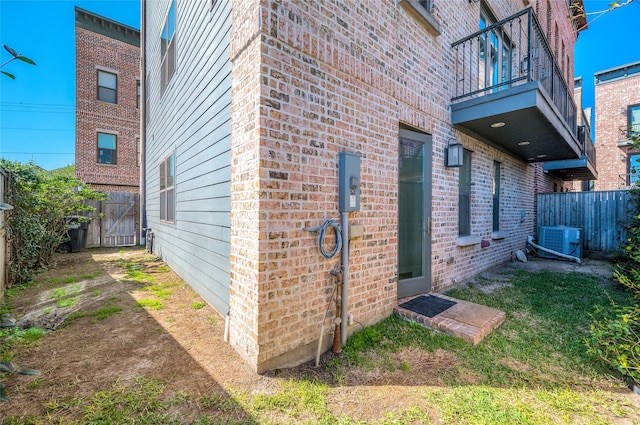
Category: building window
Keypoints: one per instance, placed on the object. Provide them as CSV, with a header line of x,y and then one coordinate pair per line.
x,y
147,106
137,94
633,120
634,169
107,87
168,47
464,196
107,147
556,37
549,21
427,5
138,157
496,196
422,12
167,191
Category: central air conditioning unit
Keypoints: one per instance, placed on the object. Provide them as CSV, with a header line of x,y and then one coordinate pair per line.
x,y
562,239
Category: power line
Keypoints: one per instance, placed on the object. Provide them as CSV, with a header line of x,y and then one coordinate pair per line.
x,y
37,153
40,111
30,105
35,129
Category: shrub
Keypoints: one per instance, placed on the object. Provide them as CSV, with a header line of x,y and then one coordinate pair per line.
x,y
616,340
41,202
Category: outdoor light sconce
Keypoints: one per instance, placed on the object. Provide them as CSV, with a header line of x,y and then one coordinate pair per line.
x,y
455,155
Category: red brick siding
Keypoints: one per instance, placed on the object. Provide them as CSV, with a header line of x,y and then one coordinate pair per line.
x,y
611,101
310,80
94,51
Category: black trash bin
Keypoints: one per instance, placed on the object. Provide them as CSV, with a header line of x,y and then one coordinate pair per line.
x,y
77,233
84,230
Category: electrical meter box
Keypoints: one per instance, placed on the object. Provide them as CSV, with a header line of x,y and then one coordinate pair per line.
x,y
349,182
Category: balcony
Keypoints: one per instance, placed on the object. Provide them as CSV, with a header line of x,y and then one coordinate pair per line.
x,y
628,180
583,168
627,132
511,94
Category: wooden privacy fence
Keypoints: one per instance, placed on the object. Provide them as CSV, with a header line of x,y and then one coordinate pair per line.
x,y
602,216
4,248
120,224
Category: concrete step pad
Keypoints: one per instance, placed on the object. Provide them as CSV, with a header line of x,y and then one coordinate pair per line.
x,y
465,320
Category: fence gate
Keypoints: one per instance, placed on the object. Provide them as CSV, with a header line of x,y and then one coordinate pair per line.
x,y
120,223
602,216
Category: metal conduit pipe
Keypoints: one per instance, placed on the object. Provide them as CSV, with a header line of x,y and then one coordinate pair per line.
x,y
344,259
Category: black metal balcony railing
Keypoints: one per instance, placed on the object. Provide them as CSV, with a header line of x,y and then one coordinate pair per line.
x,y
628,180
508,53
584,137
629,131
588,148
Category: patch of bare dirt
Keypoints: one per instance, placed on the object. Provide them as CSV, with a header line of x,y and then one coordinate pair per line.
x,y
176,343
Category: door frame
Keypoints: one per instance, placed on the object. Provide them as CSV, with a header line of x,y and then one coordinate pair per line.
x,y
421,284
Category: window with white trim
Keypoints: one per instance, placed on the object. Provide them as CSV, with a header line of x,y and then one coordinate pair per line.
x,y
168,47
167,189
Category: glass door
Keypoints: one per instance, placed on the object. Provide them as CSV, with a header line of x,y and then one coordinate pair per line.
x,y
494,66
414,214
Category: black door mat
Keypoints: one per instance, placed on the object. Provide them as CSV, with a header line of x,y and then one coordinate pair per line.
x,y
428,305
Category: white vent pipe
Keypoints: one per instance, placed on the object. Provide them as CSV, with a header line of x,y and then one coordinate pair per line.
x,y
550,251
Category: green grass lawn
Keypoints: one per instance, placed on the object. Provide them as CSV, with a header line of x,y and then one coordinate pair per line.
x,y
533,369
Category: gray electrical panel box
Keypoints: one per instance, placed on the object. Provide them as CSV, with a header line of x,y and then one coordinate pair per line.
x,y
349,182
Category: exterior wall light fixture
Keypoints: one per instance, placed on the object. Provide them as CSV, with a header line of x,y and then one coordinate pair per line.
x,y
454,155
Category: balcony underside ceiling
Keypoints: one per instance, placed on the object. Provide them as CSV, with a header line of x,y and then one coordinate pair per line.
x,y
528,116
572,169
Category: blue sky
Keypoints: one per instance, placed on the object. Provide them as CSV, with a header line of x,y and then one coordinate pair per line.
x,y
611,40
37,109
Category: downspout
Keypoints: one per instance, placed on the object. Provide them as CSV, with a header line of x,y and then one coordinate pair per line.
x,y
143,124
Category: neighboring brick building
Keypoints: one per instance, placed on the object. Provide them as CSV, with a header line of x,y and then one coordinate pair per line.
x,y
617,105
107,103
244,128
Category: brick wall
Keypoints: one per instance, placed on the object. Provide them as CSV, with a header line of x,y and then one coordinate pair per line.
x,y
96,51
612,97
249,288
310,80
